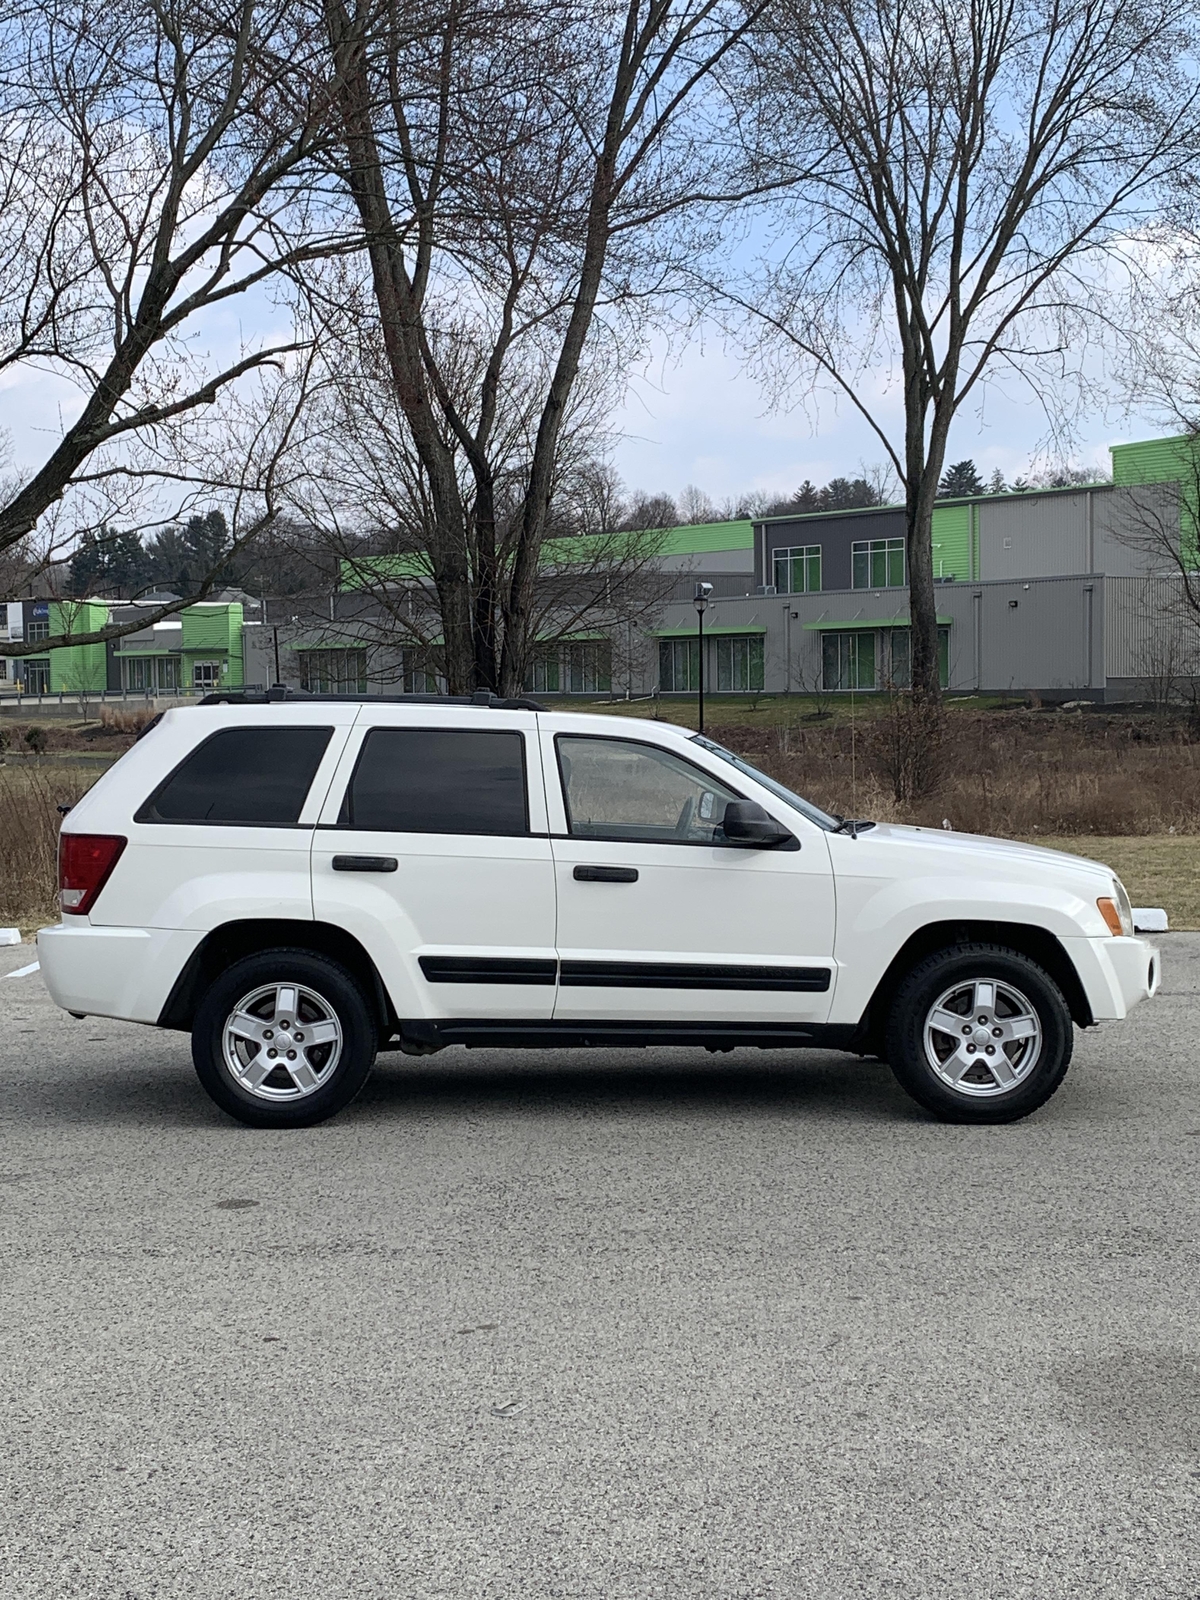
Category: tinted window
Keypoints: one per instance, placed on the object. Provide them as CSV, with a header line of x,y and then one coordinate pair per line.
x,y
432,780
616,789
255,776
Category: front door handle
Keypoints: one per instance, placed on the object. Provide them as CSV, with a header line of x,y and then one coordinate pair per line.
x,y
606,874
365,863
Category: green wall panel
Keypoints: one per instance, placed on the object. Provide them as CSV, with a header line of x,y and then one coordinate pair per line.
x,y
78,668
952,541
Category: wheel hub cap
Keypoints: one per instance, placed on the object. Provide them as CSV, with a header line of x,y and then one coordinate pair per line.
x,y
282,1042
982,1037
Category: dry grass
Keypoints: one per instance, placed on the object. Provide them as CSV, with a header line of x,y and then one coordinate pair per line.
x,y
126,719
1014,774
29,822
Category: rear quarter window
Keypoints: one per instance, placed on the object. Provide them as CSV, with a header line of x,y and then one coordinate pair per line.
x,y
255,777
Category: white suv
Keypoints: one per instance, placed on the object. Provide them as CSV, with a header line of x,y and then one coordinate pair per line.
x,y
303,882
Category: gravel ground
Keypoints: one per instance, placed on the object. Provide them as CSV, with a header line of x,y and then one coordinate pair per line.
x,y
605,1327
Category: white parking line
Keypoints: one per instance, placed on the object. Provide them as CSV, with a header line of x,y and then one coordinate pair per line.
x,y
23,972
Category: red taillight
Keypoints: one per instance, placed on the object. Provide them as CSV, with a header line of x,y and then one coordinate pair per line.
x,y
84,863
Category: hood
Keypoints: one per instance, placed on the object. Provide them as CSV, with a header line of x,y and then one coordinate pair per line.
x,y
1008,855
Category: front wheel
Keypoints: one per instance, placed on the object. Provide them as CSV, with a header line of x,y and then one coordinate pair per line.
x,y
283,1039
979,1033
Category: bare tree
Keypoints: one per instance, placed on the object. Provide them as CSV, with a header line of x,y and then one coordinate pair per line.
x,y
367,503
974,171
156,163
514,167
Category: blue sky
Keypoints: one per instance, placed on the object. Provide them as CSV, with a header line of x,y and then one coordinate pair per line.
x,y
692,415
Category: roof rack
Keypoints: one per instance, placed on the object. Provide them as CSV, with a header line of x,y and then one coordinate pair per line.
x,y
279,693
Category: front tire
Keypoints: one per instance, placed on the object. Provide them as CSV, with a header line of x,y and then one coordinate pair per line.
x,y
979,1033
283,1039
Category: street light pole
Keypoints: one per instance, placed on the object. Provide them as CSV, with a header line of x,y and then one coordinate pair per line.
x,y
700,601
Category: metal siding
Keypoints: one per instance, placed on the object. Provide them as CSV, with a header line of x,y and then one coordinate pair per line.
x,y
1146,628
1032,536
1042,641
1123,516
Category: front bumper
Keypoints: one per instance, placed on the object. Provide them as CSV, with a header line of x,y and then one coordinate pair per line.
x,y
113,972
1115,973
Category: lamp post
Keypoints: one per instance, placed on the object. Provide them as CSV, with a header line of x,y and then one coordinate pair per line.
x,y
700,601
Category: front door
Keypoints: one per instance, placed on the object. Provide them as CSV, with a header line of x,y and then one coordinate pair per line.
x,y
432,852
658,917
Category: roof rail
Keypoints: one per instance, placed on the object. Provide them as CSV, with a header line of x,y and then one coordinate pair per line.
x,y
279,693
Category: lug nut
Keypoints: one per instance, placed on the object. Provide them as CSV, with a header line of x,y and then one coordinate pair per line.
x,y
982,1020
967,1031
991,1050
996,1032
970,1050
267,1034
271,1054
299,1037
291,1055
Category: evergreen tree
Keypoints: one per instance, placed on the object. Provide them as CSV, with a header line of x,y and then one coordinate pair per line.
x,y
181,558
959,481
112,562
996,483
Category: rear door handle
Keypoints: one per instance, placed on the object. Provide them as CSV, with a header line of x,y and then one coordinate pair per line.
x,y
606,874
365,863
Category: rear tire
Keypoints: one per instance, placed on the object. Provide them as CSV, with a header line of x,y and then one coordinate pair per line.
x,y
284,1039
979,1033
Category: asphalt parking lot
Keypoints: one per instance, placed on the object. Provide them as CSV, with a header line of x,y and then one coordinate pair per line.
x,y
601,1326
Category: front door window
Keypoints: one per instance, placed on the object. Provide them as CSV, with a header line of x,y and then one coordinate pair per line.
x,y
618,789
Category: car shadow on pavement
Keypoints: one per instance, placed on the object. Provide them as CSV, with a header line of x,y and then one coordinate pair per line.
x,y
804,1083
529,1083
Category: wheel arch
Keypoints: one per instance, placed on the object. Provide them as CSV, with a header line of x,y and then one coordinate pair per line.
x,y
1028,939
233,940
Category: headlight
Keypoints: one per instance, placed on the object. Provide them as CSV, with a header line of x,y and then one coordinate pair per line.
x,y
1117,912
1124,907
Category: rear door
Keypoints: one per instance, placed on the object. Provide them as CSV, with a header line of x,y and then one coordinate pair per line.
x,y
432,851
659,919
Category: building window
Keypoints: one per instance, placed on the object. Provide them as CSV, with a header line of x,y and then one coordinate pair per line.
x,y
36,631
877,564
848,660
333,671
577,666
416,676
798,569
159,674
678,665
37,675
895,658
206,674
739,663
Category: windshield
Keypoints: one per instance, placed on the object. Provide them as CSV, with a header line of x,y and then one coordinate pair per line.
x,y
805,807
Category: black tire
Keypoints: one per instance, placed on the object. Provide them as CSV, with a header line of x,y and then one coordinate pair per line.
x,y
984,1094
320,1077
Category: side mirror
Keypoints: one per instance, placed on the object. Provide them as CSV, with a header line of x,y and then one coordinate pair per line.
x,y
746,822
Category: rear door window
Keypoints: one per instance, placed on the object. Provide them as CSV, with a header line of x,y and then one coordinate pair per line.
x,y
252,777
435,780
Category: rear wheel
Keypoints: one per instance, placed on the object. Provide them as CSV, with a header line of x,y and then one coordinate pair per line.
x,y
979,1033
283,1039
